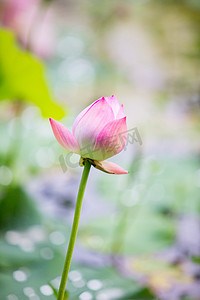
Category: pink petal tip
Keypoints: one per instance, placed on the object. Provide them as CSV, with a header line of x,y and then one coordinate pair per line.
x,y
109,167
64,136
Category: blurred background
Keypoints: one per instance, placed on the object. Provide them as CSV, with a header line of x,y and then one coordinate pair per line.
x,y
139,236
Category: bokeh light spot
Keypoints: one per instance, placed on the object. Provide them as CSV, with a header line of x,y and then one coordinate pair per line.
x,y
46,253
57,238
75,275
12,297
19,275
94,284
29,291
46,290
85,296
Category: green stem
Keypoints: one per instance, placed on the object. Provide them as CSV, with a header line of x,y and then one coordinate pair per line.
x,y
61,292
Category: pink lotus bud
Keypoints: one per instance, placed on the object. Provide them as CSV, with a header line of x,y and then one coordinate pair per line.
x,y
99,132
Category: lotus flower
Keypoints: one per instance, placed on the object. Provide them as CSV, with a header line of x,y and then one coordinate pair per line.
x,y
99,132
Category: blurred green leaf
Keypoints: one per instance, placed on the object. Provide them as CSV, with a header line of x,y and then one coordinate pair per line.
x,y
17,210
22,77
146,232
196,259
143,294
40,271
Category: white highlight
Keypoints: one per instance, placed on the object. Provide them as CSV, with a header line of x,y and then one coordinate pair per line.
x,y
46,290
85,296
94,284
19,276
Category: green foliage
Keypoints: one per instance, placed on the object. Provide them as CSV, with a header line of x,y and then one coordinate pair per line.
x,y
196,259
145,233
143,294
22,77
17,210
41,271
